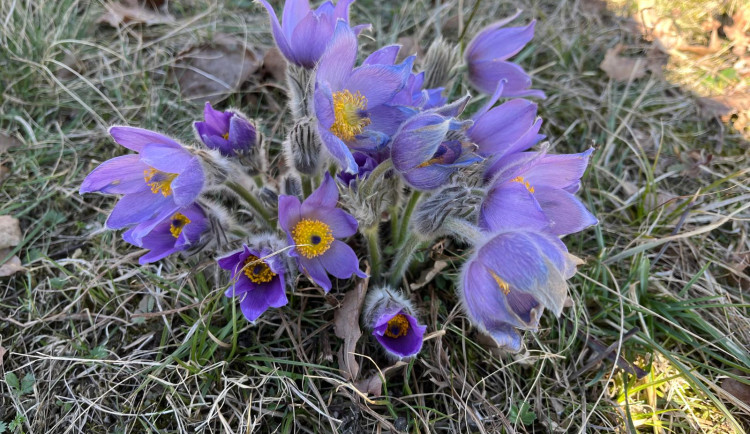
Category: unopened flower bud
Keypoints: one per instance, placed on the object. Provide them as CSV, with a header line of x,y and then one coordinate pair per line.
x,y
292,186
303,147
453,201
440,63
390,316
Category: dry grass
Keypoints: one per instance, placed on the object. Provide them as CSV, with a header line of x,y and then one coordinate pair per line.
x,y
109,346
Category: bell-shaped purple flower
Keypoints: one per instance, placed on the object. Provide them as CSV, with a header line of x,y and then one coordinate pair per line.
x,y
365,165
178,232
226,131
303,33
156,182
391,318
351,104
487,59
314,228
537,192
423,154
510,278
258,279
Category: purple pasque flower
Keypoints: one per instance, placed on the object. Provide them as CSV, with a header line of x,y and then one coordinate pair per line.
x,y
487,58
505,129
156,182
350,103
423,153
510,278
173,234
314,228
365,165
257,279
391,318
537,191
304,33
226,131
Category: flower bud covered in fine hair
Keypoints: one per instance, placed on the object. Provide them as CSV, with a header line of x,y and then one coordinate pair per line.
x,y
440,63
456,201
302,147
390,316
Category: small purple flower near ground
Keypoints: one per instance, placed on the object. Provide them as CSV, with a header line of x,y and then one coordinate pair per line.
x,y
156,182
487,59
258,276
398,332
510,278
314,228
226,131
176,233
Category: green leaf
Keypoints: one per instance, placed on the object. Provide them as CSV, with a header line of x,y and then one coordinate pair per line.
x,y
3,427
522,414
12,381
27,384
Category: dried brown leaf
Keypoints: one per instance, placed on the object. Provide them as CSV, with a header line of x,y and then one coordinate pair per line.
x,y
118,14
7,141
12,266
620,68
4,174
373,385
738,389
2,354
274,64
10,232
214,70
346,326
710,108
427,275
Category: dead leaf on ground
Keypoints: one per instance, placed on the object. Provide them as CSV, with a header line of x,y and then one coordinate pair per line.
x,y
12,266
738,389
274,64
214,70
4,174
409,46
621,68
427,275
346,326
2,354
710,108
373,385
118,14
7,141
10,232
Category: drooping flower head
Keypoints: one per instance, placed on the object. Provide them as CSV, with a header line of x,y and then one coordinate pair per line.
x,y
178,232
391,318
258,279
423,153
350,102
156,182
537,191
510,278
314,228
226,131
487,58
303,33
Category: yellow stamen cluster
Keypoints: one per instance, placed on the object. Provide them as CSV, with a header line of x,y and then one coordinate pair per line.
x,y
504,286
160,182
225,135
179,221
257,271
520,180
347,109
399,324
312,237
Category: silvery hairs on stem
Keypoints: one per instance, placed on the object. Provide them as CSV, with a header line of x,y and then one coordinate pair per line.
x,y
300,86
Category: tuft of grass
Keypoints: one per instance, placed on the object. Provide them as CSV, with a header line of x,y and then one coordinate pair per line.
x,y
97,343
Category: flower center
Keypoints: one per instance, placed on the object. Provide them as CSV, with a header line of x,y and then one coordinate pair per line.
x,y
397,326
349,114
179,221
160,182
257,271
312,237
520,180
225,135
504,286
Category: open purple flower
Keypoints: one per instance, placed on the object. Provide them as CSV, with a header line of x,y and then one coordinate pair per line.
x,y
423,154
314,228
537,191
487,55
227,131
304,33
258,276
390,316
511,278
156,182
351,103
178,232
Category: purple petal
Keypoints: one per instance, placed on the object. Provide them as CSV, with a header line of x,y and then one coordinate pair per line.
x,y
428,177
278,34
342,10
323,99
315,271
166,158
136,138
510,205
338,60
559,170
487,74
217,121
341,261
232,261
338,150
502,126
403,346
120,175
289,212
378,83
384,56
294,12
418,140
499,44
310,38
188,185
192,231
325,197
241,134
139,207
341,223
566,213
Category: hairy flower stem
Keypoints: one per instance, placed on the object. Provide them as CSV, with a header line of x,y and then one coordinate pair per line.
x,y
373,249
403,258
406,217
253,201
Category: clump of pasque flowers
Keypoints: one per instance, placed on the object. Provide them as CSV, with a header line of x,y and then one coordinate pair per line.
x,y
380,159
